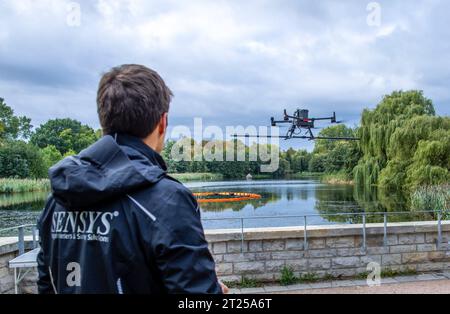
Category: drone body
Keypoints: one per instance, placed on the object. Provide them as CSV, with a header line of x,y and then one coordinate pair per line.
x,y
299,123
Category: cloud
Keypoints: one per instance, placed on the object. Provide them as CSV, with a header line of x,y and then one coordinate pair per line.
x,y
231,62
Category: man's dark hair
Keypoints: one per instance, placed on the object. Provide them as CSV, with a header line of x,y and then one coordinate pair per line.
x,y
131,99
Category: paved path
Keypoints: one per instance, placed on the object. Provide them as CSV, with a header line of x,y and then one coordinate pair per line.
x,y
424,287
424,283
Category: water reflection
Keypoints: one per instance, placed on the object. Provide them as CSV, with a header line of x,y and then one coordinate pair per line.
x,y
368,201
304,197
17,201
279,198
19,209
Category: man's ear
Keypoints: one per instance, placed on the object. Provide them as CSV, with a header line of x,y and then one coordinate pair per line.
x,y
163,123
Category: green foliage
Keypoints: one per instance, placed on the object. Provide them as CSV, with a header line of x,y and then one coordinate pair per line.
x,y
336,178
185,149
335,156
189,176
50,156
403,144
389,272
432,198
328,157
340,130
308,278
298,160
249,283
20,160
11,126
9,186
287,276
317,163
65,135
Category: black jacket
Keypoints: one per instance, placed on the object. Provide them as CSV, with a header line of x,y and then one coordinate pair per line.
x,y
117,223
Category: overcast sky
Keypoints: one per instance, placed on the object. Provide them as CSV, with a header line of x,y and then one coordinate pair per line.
x,y
229,62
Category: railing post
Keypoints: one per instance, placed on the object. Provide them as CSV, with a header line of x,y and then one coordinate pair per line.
x,y
364,247
385,230
242,235
21,243
34,237
439,239
305,234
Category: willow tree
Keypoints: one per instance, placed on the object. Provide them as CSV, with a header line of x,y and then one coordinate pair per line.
x,y
431,160
386,153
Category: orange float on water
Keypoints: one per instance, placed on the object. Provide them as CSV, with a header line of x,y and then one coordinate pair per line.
x,y
224,197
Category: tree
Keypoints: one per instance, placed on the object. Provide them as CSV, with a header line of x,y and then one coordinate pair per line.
x,y
65,135
318,163
21,160
335,156
50,156
340,130
403,143
11,126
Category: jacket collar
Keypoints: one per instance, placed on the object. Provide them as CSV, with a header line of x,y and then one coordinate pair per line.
x,y
137,144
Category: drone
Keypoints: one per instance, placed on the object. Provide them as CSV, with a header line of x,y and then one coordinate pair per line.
x,y
300,127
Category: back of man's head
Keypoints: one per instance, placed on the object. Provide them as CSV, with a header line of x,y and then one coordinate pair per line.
x,y
131,99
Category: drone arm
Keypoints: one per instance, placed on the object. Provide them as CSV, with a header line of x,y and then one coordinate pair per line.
x,y
333,118
274,123
318,119
299,137
282,121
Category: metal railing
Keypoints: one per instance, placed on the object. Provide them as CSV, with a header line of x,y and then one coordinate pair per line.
x,y
21,235
363,216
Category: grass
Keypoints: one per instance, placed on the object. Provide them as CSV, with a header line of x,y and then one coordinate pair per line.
x,y
336,178
10,186
189,176
389,273
262,176
288,278
363,275
244,283
308,278
432,198
304,175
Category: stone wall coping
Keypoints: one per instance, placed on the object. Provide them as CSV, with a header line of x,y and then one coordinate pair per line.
x,y
220,235
11,244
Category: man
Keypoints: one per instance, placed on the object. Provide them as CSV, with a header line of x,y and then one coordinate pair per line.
x,y
116,222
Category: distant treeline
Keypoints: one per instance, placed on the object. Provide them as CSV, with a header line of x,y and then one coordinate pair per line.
x,y
327,157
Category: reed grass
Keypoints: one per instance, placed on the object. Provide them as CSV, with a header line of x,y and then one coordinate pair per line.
x,y
10,186
336,178
197,176
432,198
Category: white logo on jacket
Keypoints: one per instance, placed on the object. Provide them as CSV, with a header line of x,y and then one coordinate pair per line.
x,y
83,225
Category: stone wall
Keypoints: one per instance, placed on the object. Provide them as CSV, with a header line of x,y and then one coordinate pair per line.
x,y
331,250
8,251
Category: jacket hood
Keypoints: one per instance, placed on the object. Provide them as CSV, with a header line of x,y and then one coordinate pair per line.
x,y
108,169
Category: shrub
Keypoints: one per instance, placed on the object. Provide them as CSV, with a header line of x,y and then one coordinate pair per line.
x,y
287,276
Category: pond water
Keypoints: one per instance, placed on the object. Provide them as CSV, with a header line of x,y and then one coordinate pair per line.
x,y
279,198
